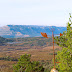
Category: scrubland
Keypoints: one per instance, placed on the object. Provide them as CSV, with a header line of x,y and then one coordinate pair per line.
x,y
41,50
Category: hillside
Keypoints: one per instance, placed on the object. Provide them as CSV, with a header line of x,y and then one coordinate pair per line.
x,y
13,31
3,41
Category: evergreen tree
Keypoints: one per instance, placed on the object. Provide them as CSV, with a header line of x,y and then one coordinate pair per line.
x,y
65,55
25,65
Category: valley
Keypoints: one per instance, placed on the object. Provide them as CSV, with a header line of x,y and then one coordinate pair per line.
x,y
40,49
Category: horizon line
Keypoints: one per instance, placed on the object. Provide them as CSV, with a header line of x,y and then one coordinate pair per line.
x,y
34,25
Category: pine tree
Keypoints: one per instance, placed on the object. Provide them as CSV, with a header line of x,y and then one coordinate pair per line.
x,y
65,55
25,65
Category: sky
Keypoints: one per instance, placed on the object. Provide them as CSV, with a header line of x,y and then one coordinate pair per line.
x,y
35,12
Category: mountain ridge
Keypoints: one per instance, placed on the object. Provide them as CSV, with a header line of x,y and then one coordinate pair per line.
x,y
14,31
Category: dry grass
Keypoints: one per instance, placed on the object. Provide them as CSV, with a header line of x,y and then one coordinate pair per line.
x,y
37,54
6,66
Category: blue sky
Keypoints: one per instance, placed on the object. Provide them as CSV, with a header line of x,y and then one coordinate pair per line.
x,y
35,12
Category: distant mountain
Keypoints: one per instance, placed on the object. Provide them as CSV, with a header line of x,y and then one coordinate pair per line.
x,y
13,31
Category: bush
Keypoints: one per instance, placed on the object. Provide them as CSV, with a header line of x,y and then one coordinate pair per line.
x,y
25,65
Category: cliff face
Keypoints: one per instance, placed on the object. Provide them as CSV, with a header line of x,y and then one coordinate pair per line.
x,y
12,31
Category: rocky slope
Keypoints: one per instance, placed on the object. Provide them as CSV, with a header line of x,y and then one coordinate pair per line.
x,y
13,31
